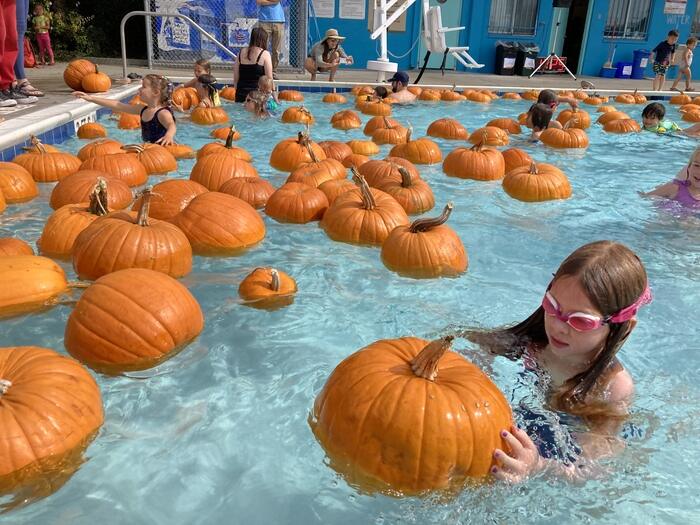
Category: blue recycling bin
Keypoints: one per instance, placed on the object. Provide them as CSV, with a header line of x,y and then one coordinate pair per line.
x,y
639,63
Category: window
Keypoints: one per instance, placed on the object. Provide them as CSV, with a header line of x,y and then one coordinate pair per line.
x,y
628,19
695,26
513,17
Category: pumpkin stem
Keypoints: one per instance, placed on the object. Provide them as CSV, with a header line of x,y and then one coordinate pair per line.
x,y
5,385
229,137
275,285
409,133
134,148
425,364
367,198
35,143
386,123
98,198
533,168
406,181
424,225
142,216
314,159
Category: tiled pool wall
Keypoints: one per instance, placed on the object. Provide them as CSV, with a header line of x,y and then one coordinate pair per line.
x,y
69,129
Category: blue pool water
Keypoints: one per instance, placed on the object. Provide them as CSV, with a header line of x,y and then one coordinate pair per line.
x,y
219,433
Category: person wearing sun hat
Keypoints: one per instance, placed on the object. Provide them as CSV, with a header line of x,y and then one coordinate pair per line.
x,y
399,88
327,55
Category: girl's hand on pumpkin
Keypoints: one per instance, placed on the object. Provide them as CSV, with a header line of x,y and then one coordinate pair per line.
x,y
165,140
521,462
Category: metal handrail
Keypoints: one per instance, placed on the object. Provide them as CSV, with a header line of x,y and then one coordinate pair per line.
x,y
165,13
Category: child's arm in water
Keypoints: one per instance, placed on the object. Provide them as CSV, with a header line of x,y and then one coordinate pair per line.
x,y
693,131
134,109
166,118
668,190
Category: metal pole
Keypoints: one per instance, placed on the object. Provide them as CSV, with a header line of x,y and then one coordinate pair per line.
x,y
149,34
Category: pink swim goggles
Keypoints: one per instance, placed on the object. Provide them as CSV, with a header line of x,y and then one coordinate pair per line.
x,y
583,322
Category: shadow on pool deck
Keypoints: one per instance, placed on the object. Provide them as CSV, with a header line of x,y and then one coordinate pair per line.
x,y
49,79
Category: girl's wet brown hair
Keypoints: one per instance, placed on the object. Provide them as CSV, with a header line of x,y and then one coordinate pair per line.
x,y
613,277
258,38
161,84
541,115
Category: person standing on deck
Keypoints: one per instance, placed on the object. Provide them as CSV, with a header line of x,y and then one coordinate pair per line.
x,y
271,19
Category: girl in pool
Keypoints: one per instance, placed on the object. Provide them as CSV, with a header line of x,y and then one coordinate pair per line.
x,y
263,101
685,188
551,99
157,119
571,342
201,67
539,118
206,84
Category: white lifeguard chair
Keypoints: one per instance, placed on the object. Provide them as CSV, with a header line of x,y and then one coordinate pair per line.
x,y
433,34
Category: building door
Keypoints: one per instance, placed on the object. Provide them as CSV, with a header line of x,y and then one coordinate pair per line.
x,y
451,15
576,22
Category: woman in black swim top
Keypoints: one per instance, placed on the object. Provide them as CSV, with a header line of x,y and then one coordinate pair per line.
x,y
253,62
157,119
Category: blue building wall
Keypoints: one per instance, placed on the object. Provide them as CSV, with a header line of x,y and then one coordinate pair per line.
x,y
475,16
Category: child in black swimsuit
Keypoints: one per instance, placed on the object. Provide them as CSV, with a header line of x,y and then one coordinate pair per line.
x,y
157,119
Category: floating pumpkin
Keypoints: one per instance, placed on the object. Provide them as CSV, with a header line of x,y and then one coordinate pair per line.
x,y
612,115
626,125
450,95
625,98
317,171
132,319
537,183
416,90
208,116
228,93
516,158
593,101
65,224
36,146
181,151
345,120
16,183
430,419
362,90
506,124
335,150
291,95
29,283
512,96
289,154
155,158
296,202
419,151
227,147
100,147
532,95
477,163
481,98
564,138
523,118
45,166
364,147
378,172
78,187
355,160
170,197
91,130
222,133
580,95
411,192
375,107
574,118
334,98
297,115
429,95
390,135
336,187
489,136
75,71
691,116
641,99
448,128
124,240
211,171
220,224
253,190
268,289
679,100
129,121
50,408
379,122
364,217
11,246
96,82
606,109
186,98
425,248
125,167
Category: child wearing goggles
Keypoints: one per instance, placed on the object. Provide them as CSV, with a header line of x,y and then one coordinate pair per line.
x,y
587,312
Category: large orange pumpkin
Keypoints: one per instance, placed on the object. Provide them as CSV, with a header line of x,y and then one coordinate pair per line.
x,y
91,130
220,224
226,147
170,197
100,147
254,190
185,98
532,95
129,121
213,170
131,320
410,191
122,166
641,99
564,138
222,133
96,82
12,246
364,217
378,172
625,125
268,289
75,71
375,107
477,162
575,118
606,109
332,189
448,128
362,90
515,158
29,283
612,115
16,183
419,151
334,98
408,416
228,93
425,248
181,151
379,122
450,95
50,408
625,98
536,183
155,158
429,95
489,136
46,166
208,116
355,160
127,240
481,98
679,100
297,202
297,115
390,135
363,147
335,150
506,124
512,96
345,120
289,154
78,187
291,95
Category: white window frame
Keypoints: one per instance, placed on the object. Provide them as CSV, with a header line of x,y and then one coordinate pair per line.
x,y
624,9
501,30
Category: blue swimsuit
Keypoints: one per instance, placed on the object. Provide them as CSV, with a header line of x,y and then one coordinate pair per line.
x,y
153,130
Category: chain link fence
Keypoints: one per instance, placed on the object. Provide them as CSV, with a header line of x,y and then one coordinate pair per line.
x,y
174,42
